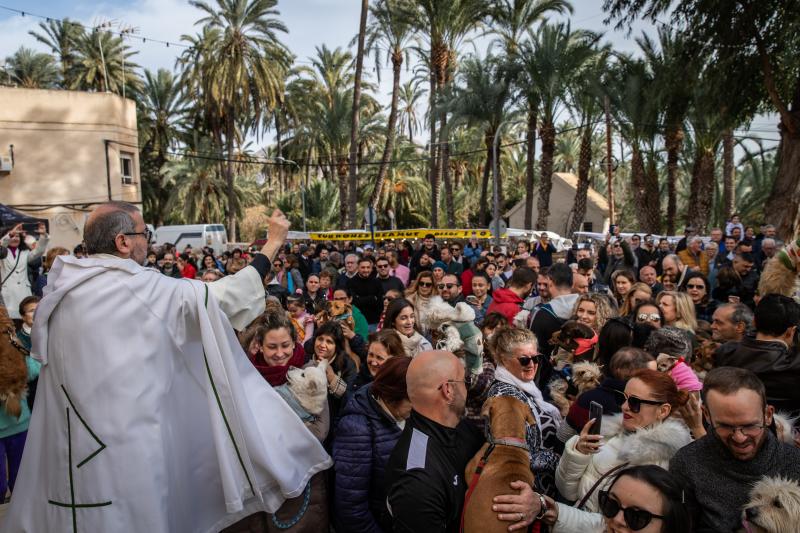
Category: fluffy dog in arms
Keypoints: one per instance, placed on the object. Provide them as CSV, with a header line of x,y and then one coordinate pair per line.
x,y
503,459
774,507
306,390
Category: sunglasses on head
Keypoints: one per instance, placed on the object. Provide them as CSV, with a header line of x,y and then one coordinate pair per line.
x,y
635,403
525,360
635,519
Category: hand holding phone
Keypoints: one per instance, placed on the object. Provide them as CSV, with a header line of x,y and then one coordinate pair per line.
x,y
589,441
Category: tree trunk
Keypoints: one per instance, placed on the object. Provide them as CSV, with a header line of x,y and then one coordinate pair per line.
x,y
352,196
638,189
487,168
548,136
653,206
341,173
584,181
444,153
279,149
705,190
784,201
728,175
529,166
229,178
432,162
673,141
397,62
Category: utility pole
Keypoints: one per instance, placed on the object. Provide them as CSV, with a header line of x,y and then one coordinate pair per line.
x,y
609,175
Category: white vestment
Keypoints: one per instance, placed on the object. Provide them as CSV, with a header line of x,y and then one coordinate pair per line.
x,y
149,417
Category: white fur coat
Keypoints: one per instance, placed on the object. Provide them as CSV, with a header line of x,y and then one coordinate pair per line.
x,y
653,445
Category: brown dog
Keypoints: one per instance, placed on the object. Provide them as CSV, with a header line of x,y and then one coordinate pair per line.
x,y
507,418
13,370
335,310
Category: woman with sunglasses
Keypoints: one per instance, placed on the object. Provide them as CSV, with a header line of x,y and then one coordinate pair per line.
x,y
697,287
646,434
648,312
645,499
421,291
517,359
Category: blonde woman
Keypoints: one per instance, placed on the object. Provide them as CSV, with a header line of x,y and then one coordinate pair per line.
x,y
594,310
639,292
420,293
678,310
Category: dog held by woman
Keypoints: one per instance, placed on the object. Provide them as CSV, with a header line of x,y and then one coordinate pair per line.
x,y
504,458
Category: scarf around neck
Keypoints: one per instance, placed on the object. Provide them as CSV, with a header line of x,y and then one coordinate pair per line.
x,y
411,344
276,375
501,373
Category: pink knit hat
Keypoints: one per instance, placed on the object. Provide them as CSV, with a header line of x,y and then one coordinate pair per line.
x,y
685,377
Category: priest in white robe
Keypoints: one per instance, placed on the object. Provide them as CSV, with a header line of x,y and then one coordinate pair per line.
x,y
149,417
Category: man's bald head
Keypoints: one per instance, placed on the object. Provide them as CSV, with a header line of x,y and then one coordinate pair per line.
x,y
426,379
105,223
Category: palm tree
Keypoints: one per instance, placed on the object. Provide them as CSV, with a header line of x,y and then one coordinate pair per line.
x,y
322,206
31,70
390,30
675,68
352,194
483,98
239,72
552,58
62,37
511,20
162,110
103,63
445,24
409,96
586,101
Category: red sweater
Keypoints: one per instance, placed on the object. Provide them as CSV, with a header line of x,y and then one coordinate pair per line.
x,y
505,302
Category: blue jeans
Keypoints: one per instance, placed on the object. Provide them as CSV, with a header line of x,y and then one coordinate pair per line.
x,y
10,448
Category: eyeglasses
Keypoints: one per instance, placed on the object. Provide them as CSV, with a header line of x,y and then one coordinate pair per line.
x,y
451,381
455,250
388,298
635,403
147,234
383,266
635,519
703,287
277,265
525,360
425,284
448,285
648,317
748,430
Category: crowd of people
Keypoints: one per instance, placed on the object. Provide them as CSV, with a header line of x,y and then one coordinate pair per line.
x,y
660,379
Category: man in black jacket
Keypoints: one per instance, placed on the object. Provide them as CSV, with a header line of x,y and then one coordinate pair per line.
x,y
367,291
389,282
772,353
428,247
425,483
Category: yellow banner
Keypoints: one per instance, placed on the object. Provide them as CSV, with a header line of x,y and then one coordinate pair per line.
x,y
401,234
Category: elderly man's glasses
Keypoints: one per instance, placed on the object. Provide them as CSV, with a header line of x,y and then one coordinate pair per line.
x,y
147,234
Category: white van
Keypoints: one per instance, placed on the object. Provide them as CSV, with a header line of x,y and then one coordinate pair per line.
x,y
198,235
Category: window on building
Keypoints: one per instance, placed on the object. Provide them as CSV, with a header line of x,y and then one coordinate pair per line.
x,y
588,226
126,168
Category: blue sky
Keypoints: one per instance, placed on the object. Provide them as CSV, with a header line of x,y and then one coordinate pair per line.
x,y
310,23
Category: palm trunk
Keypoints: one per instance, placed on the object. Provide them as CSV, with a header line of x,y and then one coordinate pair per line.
x,y
444,166
432,162
548,136
673,141
584,180
728,175
279,150
341,173
229,178
702,189
397,63
638,189
487,168
352,198
653,206
529,166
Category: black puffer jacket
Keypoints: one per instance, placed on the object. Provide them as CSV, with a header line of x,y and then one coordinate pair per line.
x,y
776,365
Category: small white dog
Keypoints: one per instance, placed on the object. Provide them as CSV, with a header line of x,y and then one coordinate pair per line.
x,y
306,389
774,507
